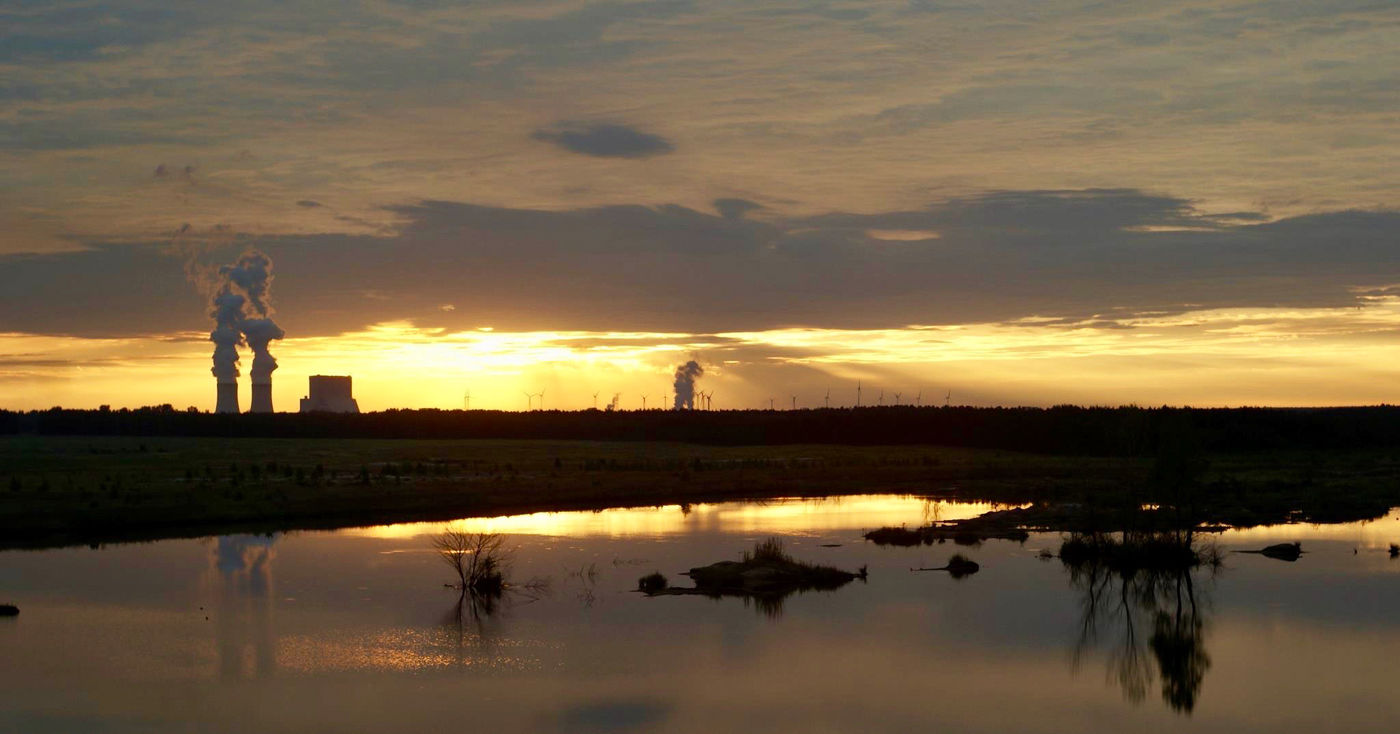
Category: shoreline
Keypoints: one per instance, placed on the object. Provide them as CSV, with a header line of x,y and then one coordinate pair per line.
x,y
63,491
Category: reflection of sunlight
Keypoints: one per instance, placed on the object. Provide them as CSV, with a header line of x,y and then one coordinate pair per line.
x,y
792,516
1369,535
399,650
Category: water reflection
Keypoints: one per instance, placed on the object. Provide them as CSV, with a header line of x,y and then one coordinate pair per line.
x,y
794,516
1164,589
473,624
482,563
243,605
351,631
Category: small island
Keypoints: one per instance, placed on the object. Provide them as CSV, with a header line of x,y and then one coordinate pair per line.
x,y
767,575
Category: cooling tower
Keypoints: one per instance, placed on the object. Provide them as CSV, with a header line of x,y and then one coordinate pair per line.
x,y
262,398
227,401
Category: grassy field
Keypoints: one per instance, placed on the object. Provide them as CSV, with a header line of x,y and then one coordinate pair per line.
x,y
61,490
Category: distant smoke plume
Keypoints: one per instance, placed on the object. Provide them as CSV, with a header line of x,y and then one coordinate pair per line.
x,y
252,274
242,315
227,338
259,332
686,375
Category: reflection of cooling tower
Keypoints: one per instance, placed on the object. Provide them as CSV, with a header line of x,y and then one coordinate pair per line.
x,y
329,395
262,398
228,397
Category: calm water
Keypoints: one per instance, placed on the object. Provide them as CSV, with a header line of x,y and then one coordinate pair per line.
x,y
353,631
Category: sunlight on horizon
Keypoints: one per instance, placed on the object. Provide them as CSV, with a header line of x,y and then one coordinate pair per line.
x,y
1205,358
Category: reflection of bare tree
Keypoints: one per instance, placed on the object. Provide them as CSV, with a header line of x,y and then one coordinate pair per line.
x,y
481,562
932,511
477,620
475,623
587,578
1178,642
1130,583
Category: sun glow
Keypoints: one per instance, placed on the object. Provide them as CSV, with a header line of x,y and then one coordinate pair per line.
x,y
1204,357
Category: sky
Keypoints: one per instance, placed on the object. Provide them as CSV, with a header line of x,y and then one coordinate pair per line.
x,y
1010,202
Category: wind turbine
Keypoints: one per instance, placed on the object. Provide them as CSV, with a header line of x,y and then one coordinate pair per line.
x,y
882,397
529,401
770,403
595,401
896,398
794,402
919,401
948,398
644,402
467,401
826,401
542,400
857,393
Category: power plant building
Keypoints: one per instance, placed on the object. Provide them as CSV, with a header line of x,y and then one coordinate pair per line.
x,y
329,394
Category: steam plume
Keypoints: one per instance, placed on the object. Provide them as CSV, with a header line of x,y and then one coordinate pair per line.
x,y
242,315
686,375
259,332
252,274
227,313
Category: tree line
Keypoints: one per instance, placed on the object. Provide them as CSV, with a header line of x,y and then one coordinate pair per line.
x,y
1070,430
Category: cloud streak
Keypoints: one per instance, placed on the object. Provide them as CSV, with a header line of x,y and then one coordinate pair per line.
x,y
1107,254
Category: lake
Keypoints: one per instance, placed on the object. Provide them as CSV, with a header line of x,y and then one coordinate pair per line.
x,y
353,630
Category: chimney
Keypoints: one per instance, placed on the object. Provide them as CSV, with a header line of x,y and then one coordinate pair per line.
x,y
228,397
262,398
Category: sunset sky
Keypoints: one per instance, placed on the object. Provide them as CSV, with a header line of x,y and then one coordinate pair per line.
x,y
1015,201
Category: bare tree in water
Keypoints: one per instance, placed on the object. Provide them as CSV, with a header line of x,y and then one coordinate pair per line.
x,y
478,559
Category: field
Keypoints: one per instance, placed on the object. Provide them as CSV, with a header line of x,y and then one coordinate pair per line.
x,y
60,490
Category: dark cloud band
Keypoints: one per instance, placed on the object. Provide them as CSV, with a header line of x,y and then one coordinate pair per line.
x,y
1079,255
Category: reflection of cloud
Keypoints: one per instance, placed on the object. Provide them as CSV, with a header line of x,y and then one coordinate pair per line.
x,y
619,715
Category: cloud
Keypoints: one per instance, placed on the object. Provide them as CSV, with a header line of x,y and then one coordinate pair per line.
x,y
605,140
735,208
1084,255
185,173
